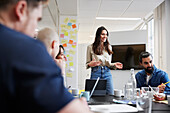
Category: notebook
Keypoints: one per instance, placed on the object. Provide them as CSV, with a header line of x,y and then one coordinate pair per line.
x,y
100,89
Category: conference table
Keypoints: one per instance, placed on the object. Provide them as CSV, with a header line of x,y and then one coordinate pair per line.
x,y
108,99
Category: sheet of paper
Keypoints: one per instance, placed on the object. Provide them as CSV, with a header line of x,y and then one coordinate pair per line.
x,y
113,108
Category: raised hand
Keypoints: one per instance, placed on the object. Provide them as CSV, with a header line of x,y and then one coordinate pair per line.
x,y
61,63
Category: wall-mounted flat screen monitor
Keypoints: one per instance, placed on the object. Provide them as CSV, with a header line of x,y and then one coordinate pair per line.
x,y
128,55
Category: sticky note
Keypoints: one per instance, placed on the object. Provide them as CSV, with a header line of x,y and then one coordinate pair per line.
x,y
71,32
75,31
63,26
61,35
68,27
71,51
64,45
69,24
74,43
70,63
63,30
70,42
66,20
69,74
67,55
73,37
73,20
65,33
73,46
70,58
63,41
74,26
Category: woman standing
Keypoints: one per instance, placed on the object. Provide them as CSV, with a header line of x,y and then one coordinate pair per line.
x,y
99,59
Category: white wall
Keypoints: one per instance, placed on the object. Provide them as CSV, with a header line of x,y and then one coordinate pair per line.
x,y
120,77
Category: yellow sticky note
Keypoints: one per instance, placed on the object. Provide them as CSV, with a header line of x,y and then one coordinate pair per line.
x,y
73,37
63,26
71,32
65,33
73,46
68,55
70,58
63,41
73,20
63,30
71,51
66,20
75,31
69,74
68,27
71,63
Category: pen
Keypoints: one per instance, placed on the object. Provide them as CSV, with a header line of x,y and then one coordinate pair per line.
x,y
164,83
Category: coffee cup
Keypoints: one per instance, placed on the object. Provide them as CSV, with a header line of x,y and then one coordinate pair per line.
x,y
117,92
85,94
75,92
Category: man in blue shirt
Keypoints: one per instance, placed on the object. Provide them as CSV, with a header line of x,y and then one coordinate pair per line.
x,y
150,75
30,81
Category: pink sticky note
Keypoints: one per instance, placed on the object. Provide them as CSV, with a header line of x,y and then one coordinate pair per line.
x,y
61,35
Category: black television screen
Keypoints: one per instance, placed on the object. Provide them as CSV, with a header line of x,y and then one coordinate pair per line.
x,y
128,55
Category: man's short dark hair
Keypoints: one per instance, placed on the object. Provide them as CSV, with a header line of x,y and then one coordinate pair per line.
x,y
144,55
31,3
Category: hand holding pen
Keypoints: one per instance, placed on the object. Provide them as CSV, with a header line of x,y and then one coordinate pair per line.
x,y
162,87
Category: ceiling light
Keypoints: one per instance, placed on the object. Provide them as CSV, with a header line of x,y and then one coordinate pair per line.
x,y
108,18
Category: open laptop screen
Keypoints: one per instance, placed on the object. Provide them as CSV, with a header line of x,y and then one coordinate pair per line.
x,y
100,89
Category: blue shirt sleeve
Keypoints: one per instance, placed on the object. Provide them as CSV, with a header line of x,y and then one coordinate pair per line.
x,y
165,79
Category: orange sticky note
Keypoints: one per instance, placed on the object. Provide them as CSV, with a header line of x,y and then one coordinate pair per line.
x,y
70,42
74,26
64,45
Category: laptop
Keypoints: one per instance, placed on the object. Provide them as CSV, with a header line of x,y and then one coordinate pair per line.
x,y
100,89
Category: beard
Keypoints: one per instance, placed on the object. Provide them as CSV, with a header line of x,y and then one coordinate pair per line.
x,y
149,70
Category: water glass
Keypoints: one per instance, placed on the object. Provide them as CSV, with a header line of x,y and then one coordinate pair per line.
x,y
156,89
128,91
144,91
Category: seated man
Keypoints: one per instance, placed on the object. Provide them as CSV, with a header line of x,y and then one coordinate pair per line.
x,y
150,75
51,40
30,80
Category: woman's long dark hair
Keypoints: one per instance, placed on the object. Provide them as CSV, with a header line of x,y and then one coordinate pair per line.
x,y
97,46
60,47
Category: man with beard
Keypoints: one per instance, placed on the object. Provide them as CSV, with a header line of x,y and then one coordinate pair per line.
x,y
150,75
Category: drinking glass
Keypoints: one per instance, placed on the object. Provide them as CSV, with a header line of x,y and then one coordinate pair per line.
x,y
156,89
144,91
128,91
137,97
